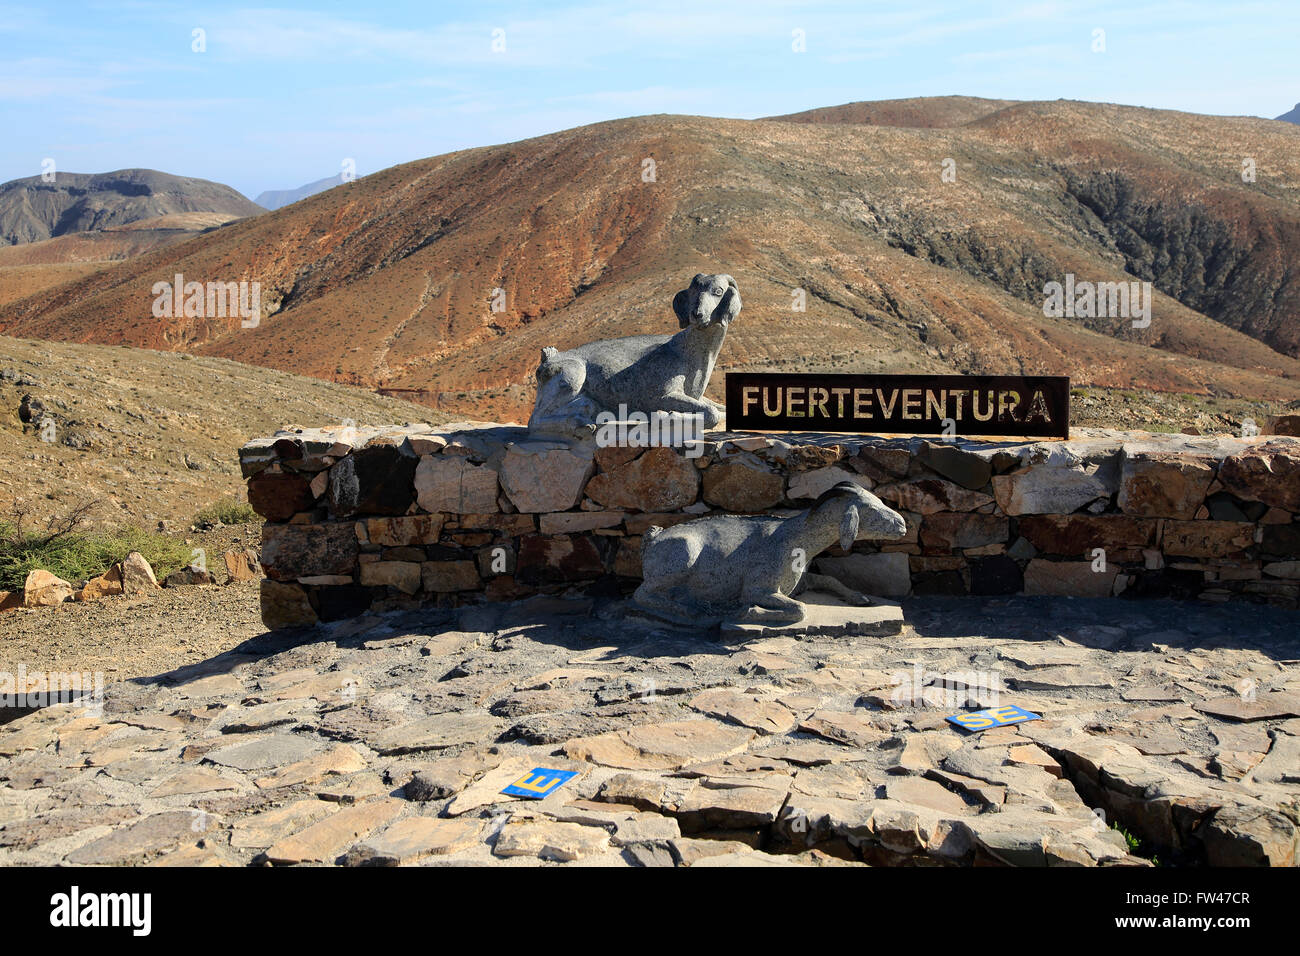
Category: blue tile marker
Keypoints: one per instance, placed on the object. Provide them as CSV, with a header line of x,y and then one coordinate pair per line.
x,y
995,717
539,782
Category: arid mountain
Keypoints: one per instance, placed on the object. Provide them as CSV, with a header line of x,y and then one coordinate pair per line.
x,y
32,209
1293,116
389,280
29,267
275,198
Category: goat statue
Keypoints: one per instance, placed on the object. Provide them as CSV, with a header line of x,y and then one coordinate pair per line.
x,y
644,373
741,569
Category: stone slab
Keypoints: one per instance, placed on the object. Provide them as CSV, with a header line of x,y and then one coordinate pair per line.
x,y
826,614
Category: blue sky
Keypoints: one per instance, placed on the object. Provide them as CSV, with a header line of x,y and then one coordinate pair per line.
x,y
284,94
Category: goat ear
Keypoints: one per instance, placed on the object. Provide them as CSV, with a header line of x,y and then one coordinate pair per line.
x,y
682,306
849,528
729,307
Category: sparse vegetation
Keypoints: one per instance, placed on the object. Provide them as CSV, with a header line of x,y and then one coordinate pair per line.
x,y
1135,845
64,546
226,511
1132,841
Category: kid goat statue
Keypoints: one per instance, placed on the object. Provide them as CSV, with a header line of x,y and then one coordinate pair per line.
x,y
746,569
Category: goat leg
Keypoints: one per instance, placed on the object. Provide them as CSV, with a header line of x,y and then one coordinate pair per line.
x,y
773,608
710,411
813,581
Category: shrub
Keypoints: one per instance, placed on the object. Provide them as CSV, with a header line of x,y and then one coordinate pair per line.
x,y
225,511
68,550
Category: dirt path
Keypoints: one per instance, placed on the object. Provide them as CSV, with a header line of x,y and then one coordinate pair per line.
x,y
137,637
131,637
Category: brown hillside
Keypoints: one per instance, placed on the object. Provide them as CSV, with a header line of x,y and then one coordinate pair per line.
x,y
152,435
387,281
18,282
114,242
29,267
922,112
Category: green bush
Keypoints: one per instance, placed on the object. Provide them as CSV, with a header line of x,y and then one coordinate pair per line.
x,y
226,511
84,554
1132,841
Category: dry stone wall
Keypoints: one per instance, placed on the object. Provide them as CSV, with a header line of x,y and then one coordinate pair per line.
x,y
360,519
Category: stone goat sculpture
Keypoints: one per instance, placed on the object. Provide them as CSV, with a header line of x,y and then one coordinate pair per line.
x,y
644,373
739,569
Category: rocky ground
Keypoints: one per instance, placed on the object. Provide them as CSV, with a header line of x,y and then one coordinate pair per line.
x,y
128,637
1141,409
141,635
387,739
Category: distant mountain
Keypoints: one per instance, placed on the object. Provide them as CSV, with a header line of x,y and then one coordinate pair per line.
x,y
275,198
889,237
1293,116
32,210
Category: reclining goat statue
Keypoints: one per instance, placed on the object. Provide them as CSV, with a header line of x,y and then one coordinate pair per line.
x,y
736,569
644,373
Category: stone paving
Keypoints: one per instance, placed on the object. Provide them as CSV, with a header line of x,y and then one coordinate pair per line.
x,y
386,740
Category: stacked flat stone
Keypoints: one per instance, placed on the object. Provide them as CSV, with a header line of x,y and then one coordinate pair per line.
x,y
386,518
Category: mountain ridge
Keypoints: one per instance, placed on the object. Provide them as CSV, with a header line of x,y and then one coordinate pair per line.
x,y
389,284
